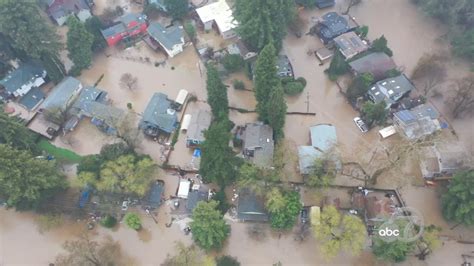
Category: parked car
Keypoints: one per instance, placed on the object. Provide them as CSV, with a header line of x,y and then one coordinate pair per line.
x,y
125,205
304,215
360,124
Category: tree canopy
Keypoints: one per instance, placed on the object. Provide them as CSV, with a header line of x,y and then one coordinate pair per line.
x,y
14,133
276,112
458,203
127,174
338,232
208,226
380,45
87,252
321,174
359,86
338,66
263,22
284,207
395,251
79,45
265,78
217,94
218,162
374,113
133,221
26,181
94,25
177,8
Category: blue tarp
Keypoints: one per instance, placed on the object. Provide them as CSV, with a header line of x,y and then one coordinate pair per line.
x,y
197,153
84,197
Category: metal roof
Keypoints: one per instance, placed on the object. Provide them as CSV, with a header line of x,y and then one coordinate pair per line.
x,y
114,30
167,37
199,123
332,25
220,12
61,94
350,44
258,138
323,136
390,90
154,194
306,157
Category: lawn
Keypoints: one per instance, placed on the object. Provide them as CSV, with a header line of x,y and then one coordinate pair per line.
x,y
60,154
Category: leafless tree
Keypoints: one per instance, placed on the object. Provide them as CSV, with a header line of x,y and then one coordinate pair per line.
x,y
128,81
86,251
128,131
57,115
430,71
462,99
350,4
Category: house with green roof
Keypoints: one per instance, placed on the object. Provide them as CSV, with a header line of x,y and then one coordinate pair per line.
x,y
158,116
170,39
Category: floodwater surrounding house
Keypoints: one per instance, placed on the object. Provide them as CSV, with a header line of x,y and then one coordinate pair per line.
x,y
350,45
258,144
390,90
220,14
127,26
376,64
418,122
60,10
158,116
332,25
21,80
250,207
199,123
170,39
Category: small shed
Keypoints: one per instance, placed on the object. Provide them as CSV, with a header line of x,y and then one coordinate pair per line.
x,y
185,123
387,132
181,98
183,189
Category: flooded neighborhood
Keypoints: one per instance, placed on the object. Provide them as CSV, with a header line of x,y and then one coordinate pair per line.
x,y
186,129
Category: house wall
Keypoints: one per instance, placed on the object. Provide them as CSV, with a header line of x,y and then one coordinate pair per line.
x,y
208,25
228,34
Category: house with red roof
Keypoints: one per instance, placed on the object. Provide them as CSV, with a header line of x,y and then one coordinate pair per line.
x,y
127,26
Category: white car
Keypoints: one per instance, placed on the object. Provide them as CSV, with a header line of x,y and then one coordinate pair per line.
x,y
360,124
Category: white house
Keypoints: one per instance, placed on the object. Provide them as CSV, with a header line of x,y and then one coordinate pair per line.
x,y
170,39
220,14
21,80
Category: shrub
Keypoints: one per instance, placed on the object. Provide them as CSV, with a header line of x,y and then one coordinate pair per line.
x,y
227,261
90,163
302,81
220,197
111,152
190,30
293,88
108,221
133,221
233,62
129,106
238,84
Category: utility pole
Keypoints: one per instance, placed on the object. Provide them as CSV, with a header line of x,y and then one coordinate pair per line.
x,y
307,102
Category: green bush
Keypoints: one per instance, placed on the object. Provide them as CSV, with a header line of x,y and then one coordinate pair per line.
x,y
190,30
90,163
233,62
111,152
220,197
108,221
238,84
293,88
227,261
133,221
302,81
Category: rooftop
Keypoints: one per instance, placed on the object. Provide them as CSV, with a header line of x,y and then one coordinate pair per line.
x,y
32,98
89,94
158,114
390,90
220,12
421,111
132,17
258,144
61,8
61,94
168,37
350,44
332,25
284,67
114,30
194,197
199,123
27,73
155,193
376,64
306,157
323,136
250,207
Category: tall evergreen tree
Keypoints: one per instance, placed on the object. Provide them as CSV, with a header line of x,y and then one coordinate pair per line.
x,y
24,180
30,36
218,161
266,79
264,21
217,94
177,8
276,111
79,44
13,132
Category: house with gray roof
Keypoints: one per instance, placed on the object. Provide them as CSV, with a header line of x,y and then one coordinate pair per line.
x,y
170,39
200,122
32,99
60,10
418,122
332,25
154,197
323,138
390,90
158,116
350,45
195,196
62,96
250,207
258,144
376,64
21,80
160,4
